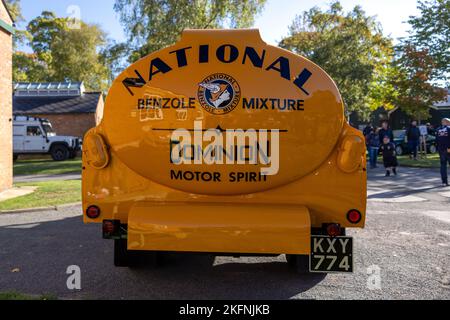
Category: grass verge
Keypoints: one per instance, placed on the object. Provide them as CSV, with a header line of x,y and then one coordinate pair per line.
x,y
48,193
20,296
431,161
46,166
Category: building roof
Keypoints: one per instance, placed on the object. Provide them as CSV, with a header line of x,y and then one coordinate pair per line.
x,y
38,89
84,103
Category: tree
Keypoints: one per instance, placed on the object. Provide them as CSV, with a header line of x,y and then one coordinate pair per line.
x,y
14,8
75,57
431,32
63,53
348,46
28,68
155,24
414,93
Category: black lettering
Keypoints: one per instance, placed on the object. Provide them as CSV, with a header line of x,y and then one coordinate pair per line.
x,y
284,68
204,53
264,104
176,103
181,56
158,66
191,103
165,102
256,60
141,104
176,175
188,175
248,104
134,82
234,53
302,78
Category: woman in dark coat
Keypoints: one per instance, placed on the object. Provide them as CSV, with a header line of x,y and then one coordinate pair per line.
x,y
389,156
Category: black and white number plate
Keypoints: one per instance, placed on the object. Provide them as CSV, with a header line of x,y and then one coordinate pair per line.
x,y
331,254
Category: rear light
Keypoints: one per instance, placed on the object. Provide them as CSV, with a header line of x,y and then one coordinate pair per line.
x,y
111,229
354,216
108,227
93,212
334,230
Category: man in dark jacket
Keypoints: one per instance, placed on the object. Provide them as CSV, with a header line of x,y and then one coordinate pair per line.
x,y
413,135
385,131
443,144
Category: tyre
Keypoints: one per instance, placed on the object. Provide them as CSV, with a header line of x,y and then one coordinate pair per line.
x,y
433,149
299,263
132,259
399,150
60,153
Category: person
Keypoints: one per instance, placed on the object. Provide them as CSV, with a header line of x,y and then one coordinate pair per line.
x,y
443,144
430,130
385,131
413,135
367,130
389,156
373,141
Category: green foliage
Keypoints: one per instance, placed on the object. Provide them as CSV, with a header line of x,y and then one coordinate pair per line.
x,y
24,297
431,31
14,9
414,91
155,24
27,67
47,167
48,193
350,47
63,52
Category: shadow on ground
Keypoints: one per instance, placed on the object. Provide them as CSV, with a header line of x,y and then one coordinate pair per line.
x,y
39,267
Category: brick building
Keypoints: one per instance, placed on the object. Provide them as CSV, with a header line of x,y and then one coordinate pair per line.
x,y
6,31
70,109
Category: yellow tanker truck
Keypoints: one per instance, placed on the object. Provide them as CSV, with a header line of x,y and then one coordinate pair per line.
x,y
225,145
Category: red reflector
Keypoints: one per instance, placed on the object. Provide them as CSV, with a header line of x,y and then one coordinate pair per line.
x,y
108,227
93,212
334,230
354,216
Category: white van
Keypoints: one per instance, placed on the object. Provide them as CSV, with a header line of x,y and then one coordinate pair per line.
x,y
36,136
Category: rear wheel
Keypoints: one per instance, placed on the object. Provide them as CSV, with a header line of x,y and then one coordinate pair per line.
x,y
60,153
399,150
299,263
433,149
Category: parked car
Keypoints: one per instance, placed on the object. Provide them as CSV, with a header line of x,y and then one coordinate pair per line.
x,y
402,147
36,136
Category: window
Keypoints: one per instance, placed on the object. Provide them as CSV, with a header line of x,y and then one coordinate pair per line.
x,y
34,131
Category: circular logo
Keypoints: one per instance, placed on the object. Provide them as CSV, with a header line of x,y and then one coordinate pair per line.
x,y
219,94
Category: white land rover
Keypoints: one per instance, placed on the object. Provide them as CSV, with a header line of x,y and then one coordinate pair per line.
x,y
36,136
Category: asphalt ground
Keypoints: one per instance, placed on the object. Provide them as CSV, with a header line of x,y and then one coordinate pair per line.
x,y
403,253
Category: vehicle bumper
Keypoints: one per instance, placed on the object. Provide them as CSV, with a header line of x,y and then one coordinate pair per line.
x,y
220,228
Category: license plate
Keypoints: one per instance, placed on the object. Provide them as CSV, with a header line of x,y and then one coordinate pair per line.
x,y
331,254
